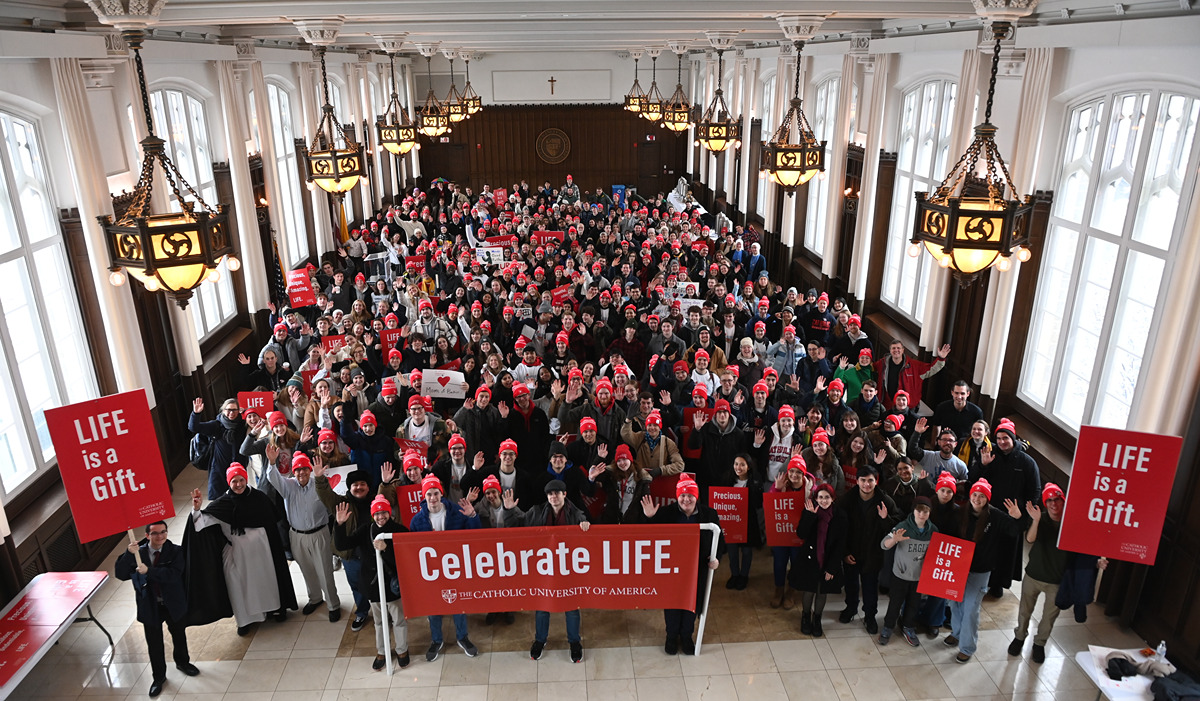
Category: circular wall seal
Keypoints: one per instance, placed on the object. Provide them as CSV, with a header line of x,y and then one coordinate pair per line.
x,y
553,146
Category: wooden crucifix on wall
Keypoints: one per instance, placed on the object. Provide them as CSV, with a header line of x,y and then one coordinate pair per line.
x,y
552,81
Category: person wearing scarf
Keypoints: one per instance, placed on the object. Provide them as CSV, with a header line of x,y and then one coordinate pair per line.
x,y
818,571
256,578
909,540
687,509
228,431
987,527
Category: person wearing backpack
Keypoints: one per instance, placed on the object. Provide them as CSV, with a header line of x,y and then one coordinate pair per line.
x,y
226,433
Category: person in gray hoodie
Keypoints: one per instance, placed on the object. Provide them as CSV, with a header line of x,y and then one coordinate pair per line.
x,y
910,538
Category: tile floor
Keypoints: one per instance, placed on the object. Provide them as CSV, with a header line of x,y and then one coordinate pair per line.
x,y
750,651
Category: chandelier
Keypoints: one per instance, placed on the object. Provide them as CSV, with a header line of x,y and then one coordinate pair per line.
x,y
432,120
395,130
455,108
677,111
968,223
717,130
473,102
175,251
635,97
333,162
790,163
652,104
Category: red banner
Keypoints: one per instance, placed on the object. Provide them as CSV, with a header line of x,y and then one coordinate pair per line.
x,y
1117,500
390,338
542,237
500,197
299,289
110,464
732,505
408,500
548,569
560,295
662,489
307,376
947,564
417,262
686,428
258,402
406,445
332,343
500,240
781,510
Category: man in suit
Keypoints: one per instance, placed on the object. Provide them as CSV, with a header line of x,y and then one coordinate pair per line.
x,y
156,567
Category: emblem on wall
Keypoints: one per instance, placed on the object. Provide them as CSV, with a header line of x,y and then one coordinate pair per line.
x,y
553,146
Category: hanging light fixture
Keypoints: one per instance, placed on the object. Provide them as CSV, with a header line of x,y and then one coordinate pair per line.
x,y
394,129
652,105
472,100
793,156
968,222
432,120
677,111
176,251
333,162
455,108
635,97
717,129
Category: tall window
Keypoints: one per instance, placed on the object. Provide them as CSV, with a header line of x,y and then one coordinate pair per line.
x,y
766,108
341,114
925,121
824,123
291,210
1128,160
179,120
44,358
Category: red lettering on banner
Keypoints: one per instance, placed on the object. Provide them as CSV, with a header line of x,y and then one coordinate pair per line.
x,y
559,295
548,569
408,500
390,338
542,237
947,564
332,343
110,464
781,511
299,289
417,262
407,445
1117,500
732,505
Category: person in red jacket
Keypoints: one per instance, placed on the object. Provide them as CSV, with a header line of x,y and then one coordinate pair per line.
x,y
896,372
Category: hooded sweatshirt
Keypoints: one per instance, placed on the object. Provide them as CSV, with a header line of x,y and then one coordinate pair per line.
x,y
910,554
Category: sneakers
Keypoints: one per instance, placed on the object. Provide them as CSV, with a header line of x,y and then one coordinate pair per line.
x,y
576,652
672,646
847,615
434,651
1014,648
1039,653
468,647
379,663
871,625
535,650
885,636
910,637
950,641
358,623
962,658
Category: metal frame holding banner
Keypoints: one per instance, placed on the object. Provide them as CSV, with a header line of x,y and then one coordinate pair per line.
x,y
712,528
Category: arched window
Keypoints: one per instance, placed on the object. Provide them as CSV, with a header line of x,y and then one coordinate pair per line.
x,y
926,117
766,110
290,215
1128,159
44,358
823,121
179,120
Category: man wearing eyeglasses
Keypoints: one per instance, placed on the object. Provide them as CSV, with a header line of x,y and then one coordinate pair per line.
x,y
156,568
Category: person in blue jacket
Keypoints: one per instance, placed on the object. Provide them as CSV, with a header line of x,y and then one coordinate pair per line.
x,y
369,447
439,515
228,431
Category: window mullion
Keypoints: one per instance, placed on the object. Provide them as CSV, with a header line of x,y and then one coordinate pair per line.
x,y
1137,183
1064,337
1100,365
31,438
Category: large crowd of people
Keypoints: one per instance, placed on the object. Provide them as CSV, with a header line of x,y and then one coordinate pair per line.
x,y
603,346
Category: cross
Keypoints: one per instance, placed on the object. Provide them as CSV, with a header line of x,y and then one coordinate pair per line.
x,y
552,81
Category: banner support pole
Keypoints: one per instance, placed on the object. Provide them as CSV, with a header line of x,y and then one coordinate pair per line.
x,y
383,609
716,531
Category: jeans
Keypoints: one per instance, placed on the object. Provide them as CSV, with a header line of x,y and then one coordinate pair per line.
x,y
965,615
740,557
783,557
460,627
933,611
855,575
542,626
352,568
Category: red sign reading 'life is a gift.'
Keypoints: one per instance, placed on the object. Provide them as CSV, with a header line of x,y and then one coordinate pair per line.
x,y
548,569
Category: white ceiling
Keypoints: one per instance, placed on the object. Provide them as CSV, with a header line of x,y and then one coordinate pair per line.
x,y
491,26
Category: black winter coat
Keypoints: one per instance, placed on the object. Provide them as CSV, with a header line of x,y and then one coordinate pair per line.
x,y
807,575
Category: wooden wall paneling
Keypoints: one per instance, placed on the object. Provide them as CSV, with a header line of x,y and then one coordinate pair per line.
x,y
309,222
95,333
224,182
1014,355
849,216
884,190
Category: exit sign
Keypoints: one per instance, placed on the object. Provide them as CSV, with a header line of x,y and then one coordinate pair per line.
x,y
649,137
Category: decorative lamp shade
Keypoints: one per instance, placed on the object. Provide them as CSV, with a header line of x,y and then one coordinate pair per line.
x,y
432,120
677,113
335,170
651,109
716,136
791,165
398,139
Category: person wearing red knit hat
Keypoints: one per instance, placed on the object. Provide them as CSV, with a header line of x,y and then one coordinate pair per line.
x,y
687,509
983,524
653,451
1013,475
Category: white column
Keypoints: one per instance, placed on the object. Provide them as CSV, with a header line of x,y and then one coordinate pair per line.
x,y
1002,290
410,89
940,278
271,175
745,110
92,196
733,96
694,84
254,271
865,223
835,169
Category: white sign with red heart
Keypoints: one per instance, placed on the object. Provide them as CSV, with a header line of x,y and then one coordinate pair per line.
x,y
337,478
442,384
